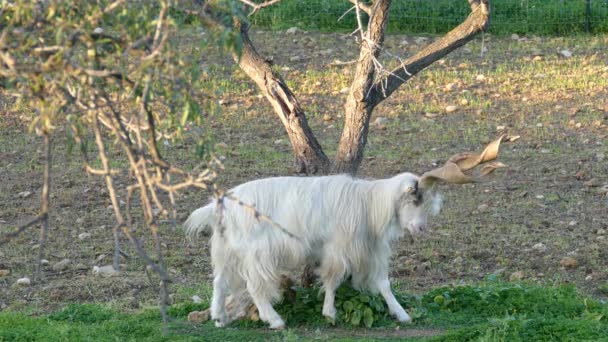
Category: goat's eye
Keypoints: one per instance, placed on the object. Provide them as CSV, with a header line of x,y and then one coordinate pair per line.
x,y
418,199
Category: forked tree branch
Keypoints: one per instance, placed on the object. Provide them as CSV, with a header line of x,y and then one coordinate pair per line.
x,y
476,22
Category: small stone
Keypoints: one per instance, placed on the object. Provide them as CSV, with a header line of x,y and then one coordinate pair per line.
x,y
540,247
516,276
293,30
603,190
480,77
278,141
196,299
589,277
4,273
565,53
451,109
380,121
515,36
79,220
44,262
98,30
344,90
84,236
601,231
62,265
482,208
296,58
198,316
537,58
568,262
24,194
600,157
464,102
572,223
450,86
327,117
404,42
420,40
105,271
24,281
500,128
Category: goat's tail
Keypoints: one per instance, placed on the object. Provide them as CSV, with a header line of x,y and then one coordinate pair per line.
x,y
200,221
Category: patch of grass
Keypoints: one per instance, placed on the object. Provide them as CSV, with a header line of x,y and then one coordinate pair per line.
x,y
439,16
488,311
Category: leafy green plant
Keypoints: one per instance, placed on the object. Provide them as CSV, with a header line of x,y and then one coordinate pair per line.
x,y
354,308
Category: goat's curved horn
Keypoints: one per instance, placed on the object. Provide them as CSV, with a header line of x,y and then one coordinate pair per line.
x,y
454,168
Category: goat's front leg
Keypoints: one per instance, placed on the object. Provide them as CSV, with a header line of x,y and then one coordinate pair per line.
x,y
384,286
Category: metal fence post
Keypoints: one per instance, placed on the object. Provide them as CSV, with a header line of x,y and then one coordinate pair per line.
x,y
588,17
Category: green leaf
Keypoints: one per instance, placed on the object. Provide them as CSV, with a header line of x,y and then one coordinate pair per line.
x,y
364,298
348,306
356,319
368,317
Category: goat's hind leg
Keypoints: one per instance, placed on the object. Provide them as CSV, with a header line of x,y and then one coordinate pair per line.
x,y
218,301
332,273
261,298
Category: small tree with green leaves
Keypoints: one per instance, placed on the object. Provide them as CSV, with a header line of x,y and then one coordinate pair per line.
x,y
110,72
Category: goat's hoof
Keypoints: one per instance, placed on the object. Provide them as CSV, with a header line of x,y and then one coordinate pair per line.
x,y
277,325
330,314
403,317
330,320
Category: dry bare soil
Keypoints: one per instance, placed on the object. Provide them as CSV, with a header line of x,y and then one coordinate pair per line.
x,y
543,219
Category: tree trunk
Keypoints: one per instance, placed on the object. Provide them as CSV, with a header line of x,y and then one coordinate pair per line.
x,y
309,157
358,110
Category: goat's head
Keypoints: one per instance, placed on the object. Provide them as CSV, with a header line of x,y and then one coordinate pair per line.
x,y
418,200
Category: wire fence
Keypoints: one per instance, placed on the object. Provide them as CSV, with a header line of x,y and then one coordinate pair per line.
x,y
542,17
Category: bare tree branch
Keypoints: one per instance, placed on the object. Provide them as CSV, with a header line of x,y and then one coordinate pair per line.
x,y
111,193
44,208
256,7
358,4
308,154
476,22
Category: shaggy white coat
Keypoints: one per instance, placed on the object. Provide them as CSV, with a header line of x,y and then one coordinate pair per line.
x,y
344,225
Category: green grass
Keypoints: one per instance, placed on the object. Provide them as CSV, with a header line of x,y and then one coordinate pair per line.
x,y
543,17
489,311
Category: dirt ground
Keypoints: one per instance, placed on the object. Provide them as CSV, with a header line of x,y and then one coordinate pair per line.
x,y
543,219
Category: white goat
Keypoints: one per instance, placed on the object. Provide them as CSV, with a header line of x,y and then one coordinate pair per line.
x,y
343,224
